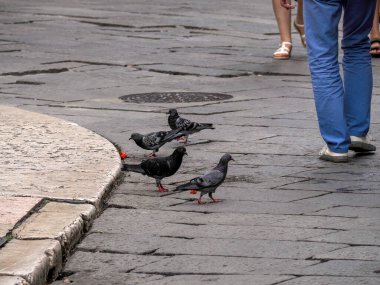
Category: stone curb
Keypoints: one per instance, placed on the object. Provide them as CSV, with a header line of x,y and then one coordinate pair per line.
x,y
52,192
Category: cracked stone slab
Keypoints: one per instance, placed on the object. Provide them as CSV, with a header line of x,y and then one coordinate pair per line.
x,y
266,220
116,278
61,221
142,202
354,237
223,265
328,280
108,262
346,268
12,210
355,186
195,279
249,248
353,252
347,211
41,259
121,243
12,280
252,207
53,157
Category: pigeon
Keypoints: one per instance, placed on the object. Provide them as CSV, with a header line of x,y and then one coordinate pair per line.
x,y
160,167
187,127
153,141
208,182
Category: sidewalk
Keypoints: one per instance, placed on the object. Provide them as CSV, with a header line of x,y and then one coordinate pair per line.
x,y
53,178
286,217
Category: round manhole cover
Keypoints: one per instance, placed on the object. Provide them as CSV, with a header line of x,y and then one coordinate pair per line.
x,y
174,97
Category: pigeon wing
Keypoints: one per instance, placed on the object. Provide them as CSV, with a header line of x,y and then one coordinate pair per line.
x,y
156,167
183,123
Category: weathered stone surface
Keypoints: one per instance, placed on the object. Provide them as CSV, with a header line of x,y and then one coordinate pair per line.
x,y
142,202
277,194
348,268
248,248
178,265
101,278
354,237
108,262
62,221
352,212
12,210
50,165
12,280
219,280
352,252
328,280
128,244
41,259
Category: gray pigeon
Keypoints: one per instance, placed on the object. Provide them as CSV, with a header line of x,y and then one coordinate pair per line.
x,y
153,141
187,127
160,167
207,183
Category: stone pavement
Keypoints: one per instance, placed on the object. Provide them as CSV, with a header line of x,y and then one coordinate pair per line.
x,y
286,217
54,176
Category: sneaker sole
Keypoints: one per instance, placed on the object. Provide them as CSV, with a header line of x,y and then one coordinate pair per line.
x,y
336,159
362,147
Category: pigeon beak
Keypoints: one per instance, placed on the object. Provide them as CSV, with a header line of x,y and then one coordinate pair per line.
x,y
232,159
130,138
185,153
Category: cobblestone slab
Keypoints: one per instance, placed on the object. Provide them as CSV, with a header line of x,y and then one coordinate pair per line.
x,y
33,260
277,194
353,252
12,210
12,280
61,221
178,265
50,164
323,280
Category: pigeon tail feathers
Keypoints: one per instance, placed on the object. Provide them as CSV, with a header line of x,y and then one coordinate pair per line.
x,y
133,168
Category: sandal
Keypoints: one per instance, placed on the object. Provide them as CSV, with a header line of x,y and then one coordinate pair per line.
x,y
301,30
375,50
284,51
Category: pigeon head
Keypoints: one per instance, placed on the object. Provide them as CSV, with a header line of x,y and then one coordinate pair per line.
x,y
172,112
226,158
136,137
180,151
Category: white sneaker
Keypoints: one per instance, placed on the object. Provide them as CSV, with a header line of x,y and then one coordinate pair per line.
x,y
326,154
361,144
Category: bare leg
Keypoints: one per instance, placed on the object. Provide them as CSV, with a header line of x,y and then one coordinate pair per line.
x,y
283,17
299,24
299,18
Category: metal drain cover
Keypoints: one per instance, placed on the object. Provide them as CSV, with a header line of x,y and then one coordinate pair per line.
x,y
174,97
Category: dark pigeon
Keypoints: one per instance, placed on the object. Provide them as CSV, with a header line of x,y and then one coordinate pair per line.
x,y
211,180
159,168
153,141
187,127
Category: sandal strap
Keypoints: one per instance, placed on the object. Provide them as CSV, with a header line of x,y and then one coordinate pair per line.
x,y
298,25
283,49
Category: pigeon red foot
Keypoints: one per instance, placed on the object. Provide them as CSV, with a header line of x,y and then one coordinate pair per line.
x,y
162,188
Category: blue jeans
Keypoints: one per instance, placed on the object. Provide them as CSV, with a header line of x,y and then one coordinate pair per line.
x,y
343,106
